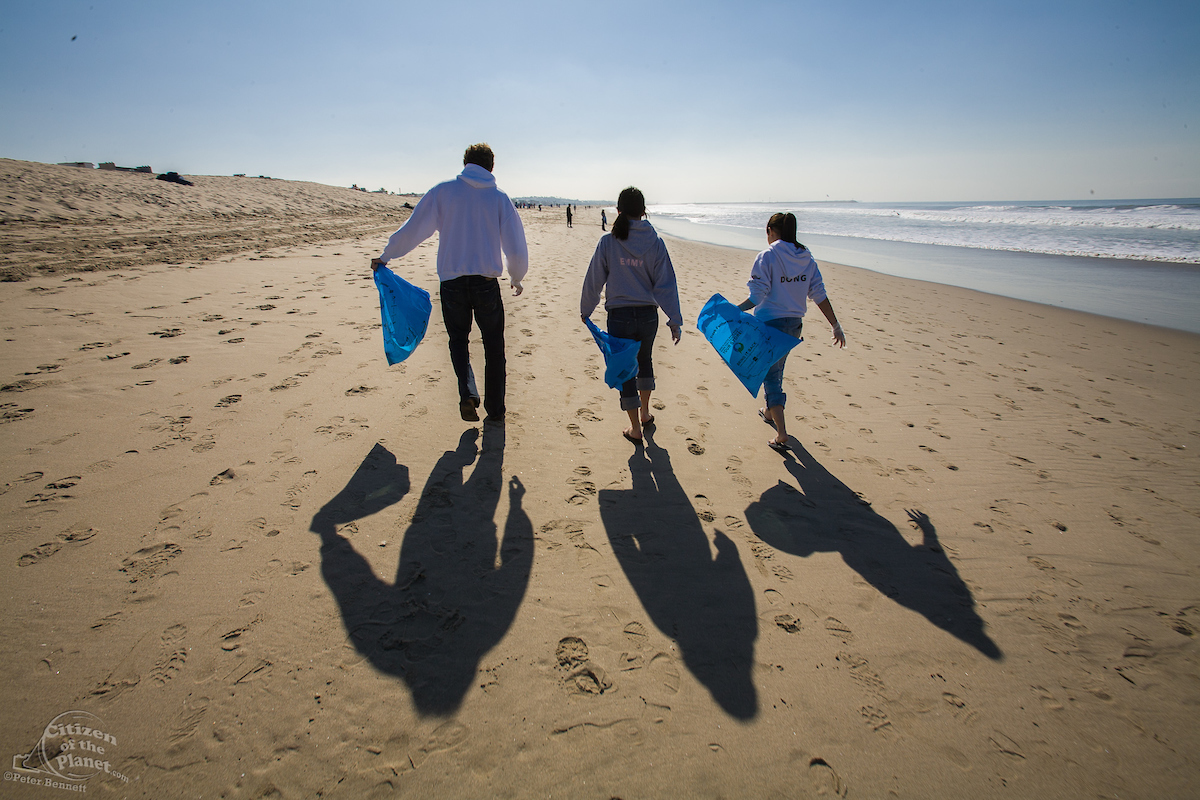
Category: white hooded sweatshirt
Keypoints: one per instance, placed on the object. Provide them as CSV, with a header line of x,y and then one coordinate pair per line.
x,y
475,222
782,280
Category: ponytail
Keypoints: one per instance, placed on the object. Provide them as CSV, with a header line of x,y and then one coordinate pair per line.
x,y
621,227
630,203
785,226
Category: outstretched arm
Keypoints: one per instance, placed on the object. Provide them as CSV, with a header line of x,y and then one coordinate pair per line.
x,y
421,224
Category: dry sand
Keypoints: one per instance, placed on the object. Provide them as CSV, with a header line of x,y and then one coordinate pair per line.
x,y
272,566
67,219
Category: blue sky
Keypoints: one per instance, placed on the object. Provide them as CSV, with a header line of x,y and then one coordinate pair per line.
x,y
691,101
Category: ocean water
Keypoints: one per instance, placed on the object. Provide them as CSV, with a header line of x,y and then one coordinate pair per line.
x,y
1135,260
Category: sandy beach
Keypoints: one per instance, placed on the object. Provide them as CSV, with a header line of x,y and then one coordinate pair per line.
x,y
271,566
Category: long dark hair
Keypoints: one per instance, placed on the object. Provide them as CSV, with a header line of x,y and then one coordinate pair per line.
x,y
630,203
785,226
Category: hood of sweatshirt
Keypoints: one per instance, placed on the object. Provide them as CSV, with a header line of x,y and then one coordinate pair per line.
x,y
478,177
795,258
641,238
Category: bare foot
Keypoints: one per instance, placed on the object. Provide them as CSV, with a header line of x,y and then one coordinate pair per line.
x,y
631,435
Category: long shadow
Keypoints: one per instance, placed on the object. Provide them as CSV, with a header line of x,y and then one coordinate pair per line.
x,y
827,516
456,590
704,603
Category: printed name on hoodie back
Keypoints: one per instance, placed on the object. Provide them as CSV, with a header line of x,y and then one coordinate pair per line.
x,y
786,279
630,262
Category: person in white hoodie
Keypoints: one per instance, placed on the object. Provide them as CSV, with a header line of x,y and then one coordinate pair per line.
x,y
479,229
633,268
782,281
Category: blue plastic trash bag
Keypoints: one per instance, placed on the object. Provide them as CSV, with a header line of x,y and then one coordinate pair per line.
x,y
747,345
620,356
405,309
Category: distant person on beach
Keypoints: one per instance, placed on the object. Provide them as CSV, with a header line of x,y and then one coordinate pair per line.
x,y
632,266
476,222
569,225
783,279
603,220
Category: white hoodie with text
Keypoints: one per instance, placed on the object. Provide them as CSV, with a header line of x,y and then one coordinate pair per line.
x,y
782,281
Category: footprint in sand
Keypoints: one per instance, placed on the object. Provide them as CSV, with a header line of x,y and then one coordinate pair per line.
x,y
188,720
55,490
173,655
223,477
298,489
289,382
446,736
10,413
207,442
28,477
110,619
584,489
250,598
149,562
582,676
838,629
824,780
1047,698
232,639
225,402
959,708
39,554
733,466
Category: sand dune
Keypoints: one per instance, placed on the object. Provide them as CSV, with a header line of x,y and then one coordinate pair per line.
x,y
275,567
66,219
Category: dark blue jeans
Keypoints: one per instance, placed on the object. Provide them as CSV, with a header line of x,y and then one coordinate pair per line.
x,y
478,296
639,323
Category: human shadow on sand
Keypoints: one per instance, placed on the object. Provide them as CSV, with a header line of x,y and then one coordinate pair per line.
x,y
825,515
703,602
454,596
